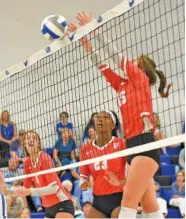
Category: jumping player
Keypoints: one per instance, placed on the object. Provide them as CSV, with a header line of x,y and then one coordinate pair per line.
x,y
107,198
134,97
55,199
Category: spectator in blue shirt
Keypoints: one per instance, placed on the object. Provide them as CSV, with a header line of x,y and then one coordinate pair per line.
x,y
65,124
63,148
17,148
178,193
8,133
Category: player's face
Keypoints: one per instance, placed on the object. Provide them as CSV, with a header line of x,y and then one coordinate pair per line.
x,y
104,123
32,143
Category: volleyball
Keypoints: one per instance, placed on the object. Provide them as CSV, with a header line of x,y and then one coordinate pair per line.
x,y
54,27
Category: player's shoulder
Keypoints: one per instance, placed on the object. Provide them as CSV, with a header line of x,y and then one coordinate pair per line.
x,y
87,146
119,141
44,155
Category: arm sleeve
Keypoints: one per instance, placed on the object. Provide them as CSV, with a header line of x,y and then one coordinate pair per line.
x,y
47,190
84,171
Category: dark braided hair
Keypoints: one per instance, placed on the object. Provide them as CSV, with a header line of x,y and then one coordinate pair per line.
x,y
149,66
117,128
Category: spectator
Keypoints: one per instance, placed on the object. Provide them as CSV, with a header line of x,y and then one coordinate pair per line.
x,y
65,124
161,202
24,213
86,208
159,135
17,148
8,133
91,123
178,193
64,148
91,135
68,186
182,159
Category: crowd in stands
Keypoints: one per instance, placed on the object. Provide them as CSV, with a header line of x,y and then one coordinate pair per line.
x,y
64,153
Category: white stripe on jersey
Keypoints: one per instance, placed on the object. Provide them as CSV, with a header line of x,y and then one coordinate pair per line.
x,y
3,213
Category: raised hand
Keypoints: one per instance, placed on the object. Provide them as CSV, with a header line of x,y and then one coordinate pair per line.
x,y
84,18
72,27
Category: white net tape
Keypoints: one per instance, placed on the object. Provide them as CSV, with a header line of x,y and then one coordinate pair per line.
x,y
136,150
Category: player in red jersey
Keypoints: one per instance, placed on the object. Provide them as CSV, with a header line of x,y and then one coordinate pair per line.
x,y
134,95
107,198
55,199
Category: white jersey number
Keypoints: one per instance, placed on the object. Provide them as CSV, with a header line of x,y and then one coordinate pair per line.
x,y
101,165
122,98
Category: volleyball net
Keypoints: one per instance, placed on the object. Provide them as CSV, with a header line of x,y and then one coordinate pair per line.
x,y
62,77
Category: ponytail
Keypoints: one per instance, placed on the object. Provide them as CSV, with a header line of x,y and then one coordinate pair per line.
x,y
163,84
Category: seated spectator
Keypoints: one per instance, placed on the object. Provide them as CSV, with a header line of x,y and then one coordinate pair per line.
x,y
64,148
68,186
86,208
178,193
17,148
91,123
91,135
159,135
8,133
24,213
161,202
182,159
65,124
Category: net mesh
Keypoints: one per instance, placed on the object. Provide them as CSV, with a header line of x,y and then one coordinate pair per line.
x,y
68,81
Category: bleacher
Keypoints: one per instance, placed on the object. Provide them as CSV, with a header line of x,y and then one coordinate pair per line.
x,y
165,176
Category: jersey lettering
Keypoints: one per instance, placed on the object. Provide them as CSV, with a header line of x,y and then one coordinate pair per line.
x,y
101,165
122,98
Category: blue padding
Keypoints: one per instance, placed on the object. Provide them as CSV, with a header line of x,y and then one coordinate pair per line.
x,y
167,169
166,193
38,215
165,159
174,213
173,178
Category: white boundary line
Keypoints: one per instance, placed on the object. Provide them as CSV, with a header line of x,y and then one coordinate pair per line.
x,y
119,9
135,150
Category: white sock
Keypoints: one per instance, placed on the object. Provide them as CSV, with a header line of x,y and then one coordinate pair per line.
x,y
144,215
157,214
127,213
